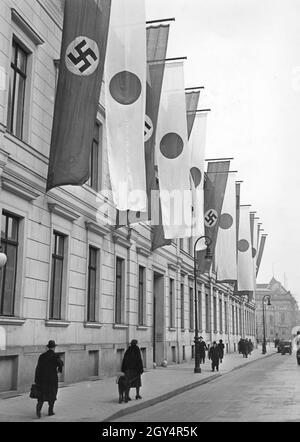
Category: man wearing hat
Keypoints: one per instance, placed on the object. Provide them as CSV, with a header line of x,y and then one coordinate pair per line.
x,y
202,349
132,367
46,379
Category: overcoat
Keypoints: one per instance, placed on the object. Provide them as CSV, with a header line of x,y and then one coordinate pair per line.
x,y
46,377
132,366
214,354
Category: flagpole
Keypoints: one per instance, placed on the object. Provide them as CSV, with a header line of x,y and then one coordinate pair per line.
x,y
194,88
160,21
166,59
220,159
199,110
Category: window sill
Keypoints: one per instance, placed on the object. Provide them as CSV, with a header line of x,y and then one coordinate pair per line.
x,y
120,326
192,330
172,329
11,321
141,327
56,323
92,325
183,330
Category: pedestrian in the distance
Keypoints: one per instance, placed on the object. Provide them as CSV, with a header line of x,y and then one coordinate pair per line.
x,y
132,367
221,349
202,349
46,379
214,356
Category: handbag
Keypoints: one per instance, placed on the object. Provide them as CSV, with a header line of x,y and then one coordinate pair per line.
x,y
34,392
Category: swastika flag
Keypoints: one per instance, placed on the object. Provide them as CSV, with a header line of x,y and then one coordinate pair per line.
x,y
214,190
81,66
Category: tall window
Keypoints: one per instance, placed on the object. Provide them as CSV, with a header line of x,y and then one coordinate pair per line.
x,y
182,305
191,293
237,320
171,302
233,321
220,316
119,290
141,300
207,312
94,158
17,84
226,317
57,275
181,244
9,243
199,310
92,282
215,313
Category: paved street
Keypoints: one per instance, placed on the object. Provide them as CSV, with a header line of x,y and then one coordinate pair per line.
x,y
266,390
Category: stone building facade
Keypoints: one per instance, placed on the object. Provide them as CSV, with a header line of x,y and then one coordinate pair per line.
x,y
281,316
70,277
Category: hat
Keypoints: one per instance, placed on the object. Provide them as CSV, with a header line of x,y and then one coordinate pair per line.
x,y
51,344
133,342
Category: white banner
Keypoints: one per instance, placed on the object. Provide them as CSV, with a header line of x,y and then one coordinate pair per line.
x,y
173,155
125,101
245,260
197,144
225,253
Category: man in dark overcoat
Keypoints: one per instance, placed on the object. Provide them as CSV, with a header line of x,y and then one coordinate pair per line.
x,y
132,367
221,349
46,379
202,349
214,356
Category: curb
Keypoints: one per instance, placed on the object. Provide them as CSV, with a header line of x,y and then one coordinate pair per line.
x,y
161,398
176,392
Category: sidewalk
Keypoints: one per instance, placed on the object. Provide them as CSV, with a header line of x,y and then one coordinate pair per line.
x,y
98,400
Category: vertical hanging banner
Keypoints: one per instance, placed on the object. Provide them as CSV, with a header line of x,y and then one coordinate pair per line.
x,y
125,101
225,253
81,66
197,143
261,251
245,260
192,100
157,42
173,155
214,190
254,224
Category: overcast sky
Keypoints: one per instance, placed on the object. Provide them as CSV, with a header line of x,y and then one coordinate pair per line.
x,y
247,55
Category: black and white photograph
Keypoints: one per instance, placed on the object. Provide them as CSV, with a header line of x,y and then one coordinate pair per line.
x,y
149,198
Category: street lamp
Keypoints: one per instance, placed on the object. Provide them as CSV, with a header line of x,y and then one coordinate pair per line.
x,y
208,256
264,349
3,258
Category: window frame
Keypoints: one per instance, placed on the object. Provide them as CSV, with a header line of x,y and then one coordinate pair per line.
x,y
141,295
54,258
119,299
4,242
94,269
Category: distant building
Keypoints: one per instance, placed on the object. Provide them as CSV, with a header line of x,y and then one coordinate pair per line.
x,y
281,316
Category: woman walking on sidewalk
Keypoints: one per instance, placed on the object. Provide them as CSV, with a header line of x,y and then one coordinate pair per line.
x,y
132,367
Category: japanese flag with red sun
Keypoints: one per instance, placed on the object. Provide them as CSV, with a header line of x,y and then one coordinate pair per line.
x,y
125,103
245,260
173,155
225,253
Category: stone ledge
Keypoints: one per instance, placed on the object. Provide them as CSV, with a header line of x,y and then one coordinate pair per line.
x,y
56,323
120,326
11,321
92,325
